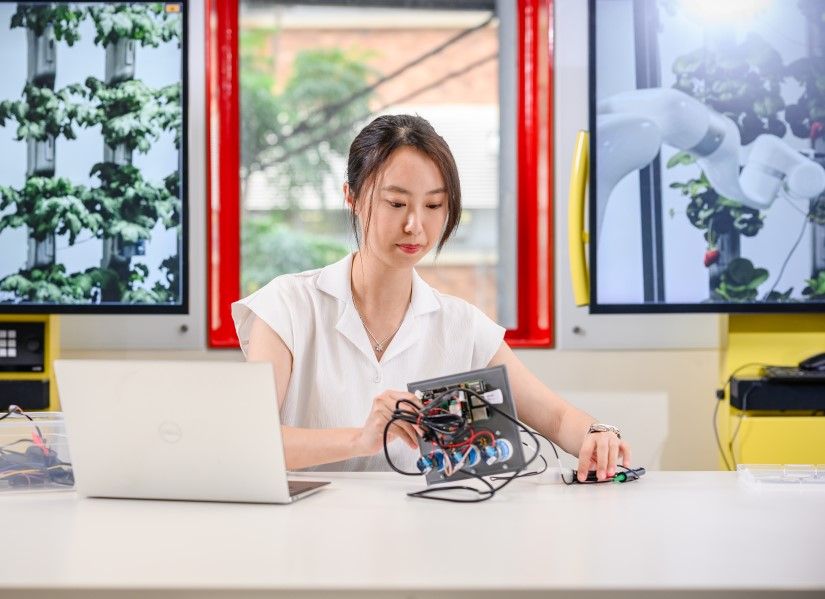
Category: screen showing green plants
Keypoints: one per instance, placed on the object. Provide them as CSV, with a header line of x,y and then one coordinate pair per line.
x,y
707,189
93,146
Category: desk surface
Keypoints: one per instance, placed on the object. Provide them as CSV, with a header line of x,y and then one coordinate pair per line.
x,y
671,530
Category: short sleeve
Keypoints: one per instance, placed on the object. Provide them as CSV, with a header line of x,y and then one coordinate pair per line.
x,y
487,338
271,304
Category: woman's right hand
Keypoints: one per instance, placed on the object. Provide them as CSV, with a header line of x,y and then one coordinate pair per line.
x,y
371,438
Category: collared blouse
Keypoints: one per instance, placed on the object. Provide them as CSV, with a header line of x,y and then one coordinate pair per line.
x,y
335,373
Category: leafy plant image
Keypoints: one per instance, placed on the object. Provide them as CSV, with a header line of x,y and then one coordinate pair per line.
x,y
128,206
48,205
41,113
44,285
160,293
780,297
740,280
130,113
815,287
711,212
147,24
806,116
63,18
740,81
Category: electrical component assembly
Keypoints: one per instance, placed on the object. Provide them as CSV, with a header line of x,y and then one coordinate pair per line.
x,y
466,429
469,429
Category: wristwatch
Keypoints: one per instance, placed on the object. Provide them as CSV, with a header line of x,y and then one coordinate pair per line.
x,y
598,427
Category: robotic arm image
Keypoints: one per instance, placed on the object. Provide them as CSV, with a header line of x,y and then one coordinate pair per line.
x,y
633,125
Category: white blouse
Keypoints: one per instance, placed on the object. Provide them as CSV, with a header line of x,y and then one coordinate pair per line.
x,y
335,373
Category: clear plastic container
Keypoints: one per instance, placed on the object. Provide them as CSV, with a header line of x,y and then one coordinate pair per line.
x,y
782,474
34,454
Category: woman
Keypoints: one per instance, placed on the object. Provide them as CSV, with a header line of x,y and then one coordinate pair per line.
x,y
345,339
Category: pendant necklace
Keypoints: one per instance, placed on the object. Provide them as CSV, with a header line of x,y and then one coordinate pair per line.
x,y
379,345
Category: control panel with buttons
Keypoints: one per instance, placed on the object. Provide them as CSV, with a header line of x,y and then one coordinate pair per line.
x,y
21,346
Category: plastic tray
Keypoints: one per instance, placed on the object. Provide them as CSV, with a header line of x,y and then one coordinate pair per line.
x,y
34,455
782,474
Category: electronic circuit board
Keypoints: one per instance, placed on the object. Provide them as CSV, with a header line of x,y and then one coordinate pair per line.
x,y
485,442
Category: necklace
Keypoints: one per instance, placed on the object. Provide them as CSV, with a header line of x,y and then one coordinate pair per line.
x,y
379,345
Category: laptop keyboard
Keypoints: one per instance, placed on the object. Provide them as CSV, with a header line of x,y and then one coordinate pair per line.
x,y
297,487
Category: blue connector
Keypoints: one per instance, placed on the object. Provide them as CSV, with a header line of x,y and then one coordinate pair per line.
x,y
504,450
439,459
424,464
490,454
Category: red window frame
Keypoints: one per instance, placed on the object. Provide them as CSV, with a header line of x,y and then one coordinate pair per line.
x,y
535,173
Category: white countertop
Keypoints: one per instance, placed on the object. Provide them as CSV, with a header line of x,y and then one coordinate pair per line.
x,y
670,530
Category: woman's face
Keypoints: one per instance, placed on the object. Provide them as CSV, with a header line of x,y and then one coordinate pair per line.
x,y
409,209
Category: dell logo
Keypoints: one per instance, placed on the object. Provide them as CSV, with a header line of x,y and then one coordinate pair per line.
x,y
170,432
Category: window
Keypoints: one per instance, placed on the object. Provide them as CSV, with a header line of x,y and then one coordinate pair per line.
x,y
290,84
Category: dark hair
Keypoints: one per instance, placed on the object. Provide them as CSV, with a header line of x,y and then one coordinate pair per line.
x,y
376,142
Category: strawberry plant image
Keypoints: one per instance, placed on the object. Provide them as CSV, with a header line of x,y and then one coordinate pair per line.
x,y
815,287
740,281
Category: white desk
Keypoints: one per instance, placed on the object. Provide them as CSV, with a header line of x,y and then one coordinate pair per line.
x,y
671,530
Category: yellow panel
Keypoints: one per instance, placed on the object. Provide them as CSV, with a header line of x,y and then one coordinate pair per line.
x,y
781,339
779,439
51,351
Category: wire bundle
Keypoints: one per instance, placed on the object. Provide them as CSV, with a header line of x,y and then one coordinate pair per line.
x,y
452,432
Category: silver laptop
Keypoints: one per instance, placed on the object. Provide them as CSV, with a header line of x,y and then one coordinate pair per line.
x,y
206,431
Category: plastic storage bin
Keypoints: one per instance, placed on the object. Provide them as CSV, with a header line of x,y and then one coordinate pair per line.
x,y
781,474
34,454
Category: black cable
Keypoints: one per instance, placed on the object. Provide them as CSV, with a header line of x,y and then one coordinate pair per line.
x,y
739,423
431,493
526,474
720,396
634,472
13,409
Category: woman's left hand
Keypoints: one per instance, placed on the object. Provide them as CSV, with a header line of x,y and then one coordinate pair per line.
x,y
600,451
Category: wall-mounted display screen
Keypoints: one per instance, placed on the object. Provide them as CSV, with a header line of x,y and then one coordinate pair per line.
x,y
93,138
707,122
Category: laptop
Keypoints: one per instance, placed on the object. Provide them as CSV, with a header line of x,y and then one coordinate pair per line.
x,y
203,431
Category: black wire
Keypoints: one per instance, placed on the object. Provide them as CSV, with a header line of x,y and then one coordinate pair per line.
x,y
524,474
720,396
432,493
637,472
739,423
12,409
484,494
